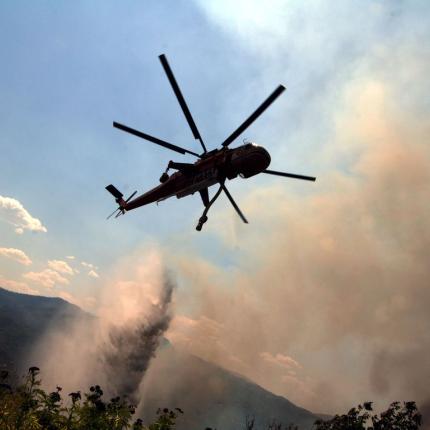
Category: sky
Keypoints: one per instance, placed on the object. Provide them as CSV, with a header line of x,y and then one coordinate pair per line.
x,y
323,297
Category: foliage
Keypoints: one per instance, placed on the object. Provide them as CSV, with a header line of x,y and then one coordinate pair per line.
x,y
398,416
29,407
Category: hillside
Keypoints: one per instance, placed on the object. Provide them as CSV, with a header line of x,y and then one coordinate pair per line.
x,y
210,395
25,318
214,397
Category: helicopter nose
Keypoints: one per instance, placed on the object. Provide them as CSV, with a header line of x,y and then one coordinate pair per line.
x,y
266,156
255,161
260,158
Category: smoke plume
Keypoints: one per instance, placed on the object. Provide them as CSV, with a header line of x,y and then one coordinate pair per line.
x,y
130,348
335,279
115,348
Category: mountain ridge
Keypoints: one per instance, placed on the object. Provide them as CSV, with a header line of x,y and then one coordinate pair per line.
x,y
24,318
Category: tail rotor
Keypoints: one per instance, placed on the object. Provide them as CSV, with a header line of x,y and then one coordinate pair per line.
x,y
119,199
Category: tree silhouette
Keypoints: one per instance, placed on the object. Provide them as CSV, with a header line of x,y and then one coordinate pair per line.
x,y
398,416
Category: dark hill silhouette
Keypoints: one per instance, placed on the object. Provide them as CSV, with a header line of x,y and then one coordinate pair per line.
x,y
210,395
25,318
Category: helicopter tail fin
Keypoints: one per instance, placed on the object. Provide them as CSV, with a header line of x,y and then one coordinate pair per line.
x,y
116,193
119,199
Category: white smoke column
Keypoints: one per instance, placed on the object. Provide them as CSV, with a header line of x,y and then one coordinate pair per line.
x,y
115,348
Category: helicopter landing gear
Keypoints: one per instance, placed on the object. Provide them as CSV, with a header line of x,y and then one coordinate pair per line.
x,y
204,217
202,220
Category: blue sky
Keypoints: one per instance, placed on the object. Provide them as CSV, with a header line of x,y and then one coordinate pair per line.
x,y
354,114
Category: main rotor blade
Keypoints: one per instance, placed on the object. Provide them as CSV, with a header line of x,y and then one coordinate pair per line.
x,y
239,212
154,139
255,115
181,99
290,175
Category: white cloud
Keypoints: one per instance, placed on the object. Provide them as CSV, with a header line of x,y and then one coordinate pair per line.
x,y
93,274
70,257
15,254
88,265
17,287
60,266
48,278
14,213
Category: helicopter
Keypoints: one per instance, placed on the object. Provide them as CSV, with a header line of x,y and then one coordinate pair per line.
x,y
211,168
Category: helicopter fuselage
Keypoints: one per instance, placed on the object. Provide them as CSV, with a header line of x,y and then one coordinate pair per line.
x,y
213,167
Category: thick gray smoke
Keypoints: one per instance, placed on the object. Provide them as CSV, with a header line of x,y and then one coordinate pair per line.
x,y
326,296
115,348
328,300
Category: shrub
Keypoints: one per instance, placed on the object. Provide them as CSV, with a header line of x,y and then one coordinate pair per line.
x,y
29,407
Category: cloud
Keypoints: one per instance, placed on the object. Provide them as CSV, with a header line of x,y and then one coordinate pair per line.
x,y
15,254
93,274
60,266
47,278
70,257
88,265
14,213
